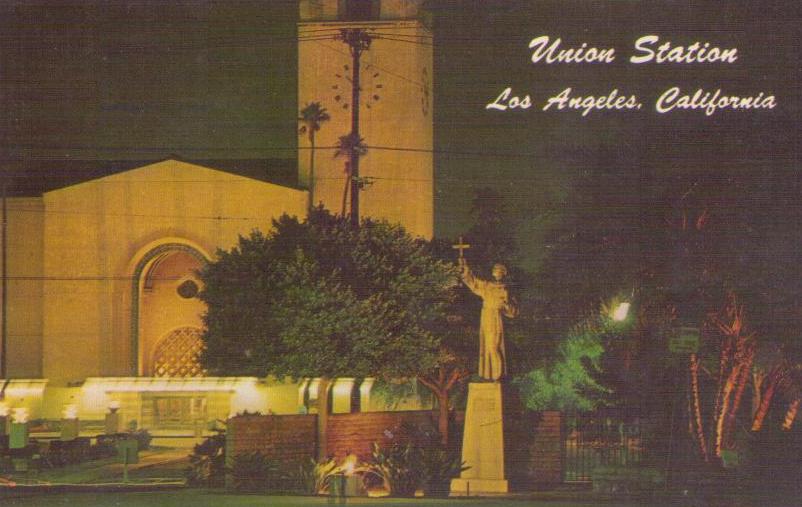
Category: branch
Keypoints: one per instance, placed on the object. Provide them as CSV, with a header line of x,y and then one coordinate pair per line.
x,y
457,375
426,382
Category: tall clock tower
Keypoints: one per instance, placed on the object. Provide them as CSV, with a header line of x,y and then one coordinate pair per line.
x,y
395,107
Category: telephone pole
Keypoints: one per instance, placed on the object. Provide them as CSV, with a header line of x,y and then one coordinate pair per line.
x,y
4,288
358,41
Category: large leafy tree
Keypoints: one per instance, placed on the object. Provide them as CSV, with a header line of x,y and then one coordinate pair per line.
x,y
323,298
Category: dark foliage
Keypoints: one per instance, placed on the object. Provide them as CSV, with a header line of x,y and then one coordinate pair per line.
x,y
325,298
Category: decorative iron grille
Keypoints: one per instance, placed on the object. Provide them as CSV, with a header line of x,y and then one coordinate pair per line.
x,y
178,354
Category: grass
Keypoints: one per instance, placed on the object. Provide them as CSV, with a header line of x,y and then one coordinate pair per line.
x,y
103,470
196,498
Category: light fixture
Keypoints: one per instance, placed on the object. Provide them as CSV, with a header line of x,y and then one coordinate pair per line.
x,y
621,311
19,415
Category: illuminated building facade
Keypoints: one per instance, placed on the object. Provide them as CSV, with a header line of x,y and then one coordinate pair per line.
x,y
100,306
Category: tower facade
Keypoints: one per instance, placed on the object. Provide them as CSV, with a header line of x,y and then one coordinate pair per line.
x,y
395,108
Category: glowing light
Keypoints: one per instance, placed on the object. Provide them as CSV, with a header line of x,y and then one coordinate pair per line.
x,y
114,406
167,384
22,388
364,393
349,464
378,493
70,411
621,311
19,415
314,385
341,398
4,410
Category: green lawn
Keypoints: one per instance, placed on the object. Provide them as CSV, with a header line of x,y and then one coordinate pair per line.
x,y
193,498
196,498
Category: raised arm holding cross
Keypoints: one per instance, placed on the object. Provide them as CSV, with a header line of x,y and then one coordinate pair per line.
x,y
460,246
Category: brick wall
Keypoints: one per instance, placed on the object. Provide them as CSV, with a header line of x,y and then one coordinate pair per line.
x,y
355,432
533,440
285,438
291,438
546,448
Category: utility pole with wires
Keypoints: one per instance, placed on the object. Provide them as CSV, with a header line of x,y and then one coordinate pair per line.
x,y
4,288
358,41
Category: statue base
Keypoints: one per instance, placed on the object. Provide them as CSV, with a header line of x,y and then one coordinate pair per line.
x,y
482,443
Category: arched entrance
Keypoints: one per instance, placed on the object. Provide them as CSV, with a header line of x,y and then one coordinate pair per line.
x,y
165,307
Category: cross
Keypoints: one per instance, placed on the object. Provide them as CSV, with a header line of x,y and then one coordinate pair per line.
x,y
460,246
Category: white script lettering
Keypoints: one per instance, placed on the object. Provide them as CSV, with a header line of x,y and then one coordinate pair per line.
x,y
586,104
504,101
709,102
697,52
583,54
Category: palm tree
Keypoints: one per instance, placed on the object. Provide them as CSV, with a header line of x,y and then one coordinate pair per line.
x,y
347,145
312,117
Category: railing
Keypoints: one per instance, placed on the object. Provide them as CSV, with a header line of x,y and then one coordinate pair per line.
x,y
601,438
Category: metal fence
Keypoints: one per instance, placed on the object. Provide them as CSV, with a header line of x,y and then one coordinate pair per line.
x,y
601,438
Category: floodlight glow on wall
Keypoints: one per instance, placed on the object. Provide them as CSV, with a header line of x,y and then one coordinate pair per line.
x,y
4,410
114,406
70,411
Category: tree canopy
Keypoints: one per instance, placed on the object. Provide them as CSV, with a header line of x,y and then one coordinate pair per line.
x,y
324,298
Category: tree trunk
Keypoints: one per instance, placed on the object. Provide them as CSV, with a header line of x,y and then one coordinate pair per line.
x,y
442,418
724,360
322,417
697,411
740,386
721,416
765,403
347,186
440,387
790,415
312,170
758,378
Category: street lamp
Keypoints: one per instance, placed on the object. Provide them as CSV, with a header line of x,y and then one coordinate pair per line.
x,y
621,311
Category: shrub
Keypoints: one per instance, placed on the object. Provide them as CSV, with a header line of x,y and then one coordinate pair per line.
x,y
397,466
142,437
314,477
253,471
438,467
207,462
405,468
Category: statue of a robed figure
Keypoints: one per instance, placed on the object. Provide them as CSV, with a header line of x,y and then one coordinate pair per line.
x,y
483,434
496,303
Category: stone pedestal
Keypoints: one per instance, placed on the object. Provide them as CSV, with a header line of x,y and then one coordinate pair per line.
x,y
482,443
69,429
112,426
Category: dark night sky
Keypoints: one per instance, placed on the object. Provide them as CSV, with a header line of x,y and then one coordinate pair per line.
x,y
144,79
